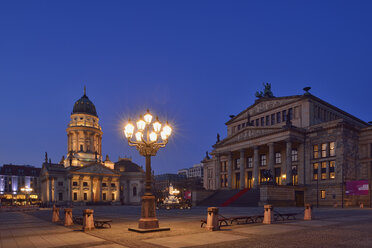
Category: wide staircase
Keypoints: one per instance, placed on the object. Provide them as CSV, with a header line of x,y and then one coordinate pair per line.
x,y
233,198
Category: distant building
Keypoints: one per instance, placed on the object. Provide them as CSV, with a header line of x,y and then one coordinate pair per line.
x,y
195,171
313,150
83,177
15,179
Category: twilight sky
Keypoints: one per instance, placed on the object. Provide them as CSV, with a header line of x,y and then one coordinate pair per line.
x,y
191,62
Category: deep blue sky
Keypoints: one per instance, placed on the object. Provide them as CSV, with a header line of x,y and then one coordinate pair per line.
x,y
194,62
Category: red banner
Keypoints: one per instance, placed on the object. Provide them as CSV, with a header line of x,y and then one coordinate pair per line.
x,y
188,195
357,187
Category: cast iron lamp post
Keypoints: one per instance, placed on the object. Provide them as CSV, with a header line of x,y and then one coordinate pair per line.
x,y
149,138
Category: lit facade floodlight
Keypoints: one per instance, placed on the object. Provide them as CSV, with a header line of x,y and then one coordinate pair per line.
x,y
147,143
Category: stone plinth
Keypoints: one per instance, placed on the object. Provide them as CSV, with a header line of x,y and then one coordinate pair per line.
x,y
55,217
68,217
148,219
88,220
307,215
212,219
268,214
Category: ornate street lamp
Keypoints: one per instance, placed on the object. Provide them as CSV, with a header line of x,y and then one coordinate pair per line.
x,y
148,137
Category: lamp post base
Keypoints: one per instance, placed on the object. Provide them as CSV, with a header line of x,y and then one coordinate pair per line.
x,y
148,219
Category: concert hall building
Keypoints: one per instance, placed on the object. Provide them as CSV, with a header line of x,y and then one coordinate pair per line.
x,y
315,152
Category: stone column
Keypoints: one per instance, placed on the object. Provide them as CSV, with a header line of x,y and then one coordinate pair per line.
x,y
77,142
91,190
81,189
218,171
255,166
70,189
242,169
289,162
229,170
100,188
271,159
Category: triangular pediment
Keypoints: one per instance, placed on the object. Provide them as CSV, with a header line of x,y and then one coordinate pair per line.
x,y
249,133
94,169
263,105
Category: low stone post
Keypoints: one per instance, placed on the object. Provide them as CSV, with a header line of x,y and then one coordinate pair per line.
x,y
68,217
55,217
212,219
307,215
88,220
361,205
268,214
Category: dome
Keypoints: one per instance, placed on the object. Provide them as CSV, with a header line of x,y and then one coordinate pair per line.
x,y
84,106
126,165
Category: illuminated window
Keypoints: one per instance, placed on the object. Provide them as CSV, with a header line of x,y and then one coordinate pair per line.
x,y
332,150
278,177
324,170
278,157
294,155
294,175
324,150
322,194
315,171
262,177
315,151
263,160
249,162
332,174
236,163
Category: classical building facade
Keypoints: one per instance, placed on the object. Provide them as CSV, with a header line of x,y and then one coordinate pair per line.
x,y
83,177
311,148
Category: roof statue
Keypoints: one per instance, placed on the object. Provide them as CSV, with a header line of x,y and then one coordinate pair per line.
x,y
266,92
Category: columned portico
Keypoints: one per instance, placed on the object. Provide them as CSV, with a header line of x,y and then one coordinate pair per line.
x,y
242,168
255,166
271,158
229,170
288,162
218,171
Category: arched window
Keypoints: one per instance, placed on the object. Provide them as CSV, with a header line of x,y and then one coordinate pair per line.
x,y
134,191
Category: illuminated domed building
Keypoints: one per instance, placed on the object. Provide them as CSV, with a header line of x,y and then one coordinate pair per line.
x,y
83,176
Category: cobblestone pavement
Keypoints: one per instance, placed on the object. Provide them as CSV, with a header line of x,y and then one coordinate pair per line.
x,y
329,228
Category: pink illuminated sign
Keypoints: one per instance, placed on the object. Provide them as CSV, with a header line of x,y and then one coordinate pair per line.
x,y
357,187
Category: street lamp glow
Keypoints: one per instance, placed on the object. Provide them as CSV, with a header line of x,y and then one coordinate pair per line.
x,y
128,130
153,136
157,125
167,129
139,136
164,136
141,124
147,117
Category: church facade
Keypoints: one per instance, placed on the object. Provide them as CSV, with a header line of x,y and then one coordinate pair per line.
x,y
83,176
294,150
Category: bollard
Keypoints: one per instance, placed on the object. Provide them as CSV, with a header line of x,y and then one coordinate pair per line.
x,y
268,214
68,217
307,215
212,219
361,205
55,217
88,221
335,205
